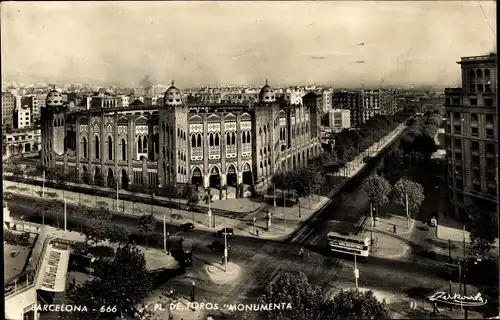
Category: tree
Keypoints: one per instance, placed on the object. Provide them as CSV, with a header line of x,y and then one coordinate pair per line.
x,y
146,224
482,234
123,282
378,190
306,299
80,213
354,304
404,190
95,229
61,179
424,144
117,234
18,173
193,200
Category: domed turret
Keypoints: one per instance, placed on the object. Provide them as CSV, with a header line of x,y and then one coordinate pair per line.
x,y
173,96
266,94
54,99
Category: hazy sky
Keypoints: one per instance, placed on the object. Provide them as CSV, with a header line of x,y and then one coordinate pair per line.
x,y
244,42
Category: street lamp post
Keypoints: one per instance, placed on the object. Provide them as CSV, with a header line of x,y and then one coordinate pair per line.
x,y
298,203
225,250
274,199
254,219
356,271
164,233
192,292
209,208
168,243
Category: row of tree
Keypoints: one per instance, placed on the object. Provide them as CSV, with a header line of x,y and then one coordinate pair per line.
x,y
406,193
307,301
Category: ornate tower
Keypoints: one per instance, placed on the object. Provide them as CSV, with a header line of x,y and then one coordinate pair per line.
x,y
53,128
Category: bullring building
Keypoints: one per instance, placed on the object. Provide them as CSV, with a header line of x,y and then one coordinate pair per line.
x,y
204,144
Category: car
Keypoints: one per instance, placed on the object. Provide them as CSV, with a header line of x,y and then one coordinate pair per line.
x,y
8,196
228,231
187,227
218,246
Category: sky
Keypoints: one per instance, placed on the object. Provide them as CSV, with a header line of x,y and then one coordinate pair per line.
x,y
244,43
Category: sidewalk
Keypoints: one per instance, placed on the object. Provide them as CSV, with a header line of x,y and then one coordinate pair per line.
x,y
284,221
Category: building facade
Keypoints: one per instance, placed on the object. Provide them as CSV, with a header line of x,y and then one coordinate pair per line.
x,y
339,119
472,138
208,145
8,106
21,141
22,117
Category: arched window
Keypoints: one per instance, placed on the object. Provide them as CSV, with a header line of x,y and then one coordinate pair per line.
x,y
97,155
193,141
472,74
211,140
487,74
479,73
243,137
199,140
260,131
139,144
216,139
124,150
233,138
157,143
84,145
110,148
228,139
260,152
248,137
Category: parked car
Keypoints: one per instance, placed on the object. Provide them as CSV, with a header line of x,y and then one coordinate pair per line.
x,y
187,227
228,231
218,245
8,196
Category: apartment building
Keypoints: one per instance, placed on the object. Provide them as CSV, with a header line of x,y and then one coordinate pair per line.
x,y
22,117
339,119
471,137
8,106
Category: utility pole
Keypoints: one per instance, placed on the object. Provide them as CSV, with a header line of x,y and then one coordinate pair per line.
x,y
466,316
164,233
225,250
43,184
356,271
65,215
117,197
372,224
407,211
209,209
274,199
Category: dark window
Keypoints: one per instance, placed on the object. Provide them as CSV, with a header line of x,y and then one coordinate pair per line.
x,y
473,101
211,140
475,160
84,143
477,187
199,140
193,141
488,102
475,146
216,139
110,148
490,148
233,138
474,117
97,147
124,150
489,118
474,132
228,139
457,129
489,133
139,144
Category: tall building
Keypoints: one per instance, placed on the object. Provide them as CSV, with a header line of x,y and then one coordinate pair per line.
x,y
348,100
8,106
339,119
472,138
207,145
33,104
22,117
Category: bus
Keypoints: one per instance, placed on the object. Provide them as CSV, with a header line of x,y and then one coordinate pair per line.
x,y
349,244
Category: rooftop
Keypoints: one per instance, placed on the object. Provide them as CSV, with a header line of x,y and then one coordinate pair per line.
x,y
14,265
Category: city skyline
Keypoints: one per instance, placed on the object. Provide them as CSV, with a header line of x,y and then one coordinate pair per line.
x,y
244,43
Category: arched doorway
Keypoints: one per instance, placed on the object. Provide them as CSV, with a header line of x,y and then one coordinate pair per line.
x,y
247,174
97,176
85,175
215,177
197,177
124,179
231,177
111,180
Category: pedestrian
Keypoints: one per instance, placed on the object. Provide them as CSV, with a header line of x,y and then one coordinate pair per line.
x,y
394,228
257,232
435,309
